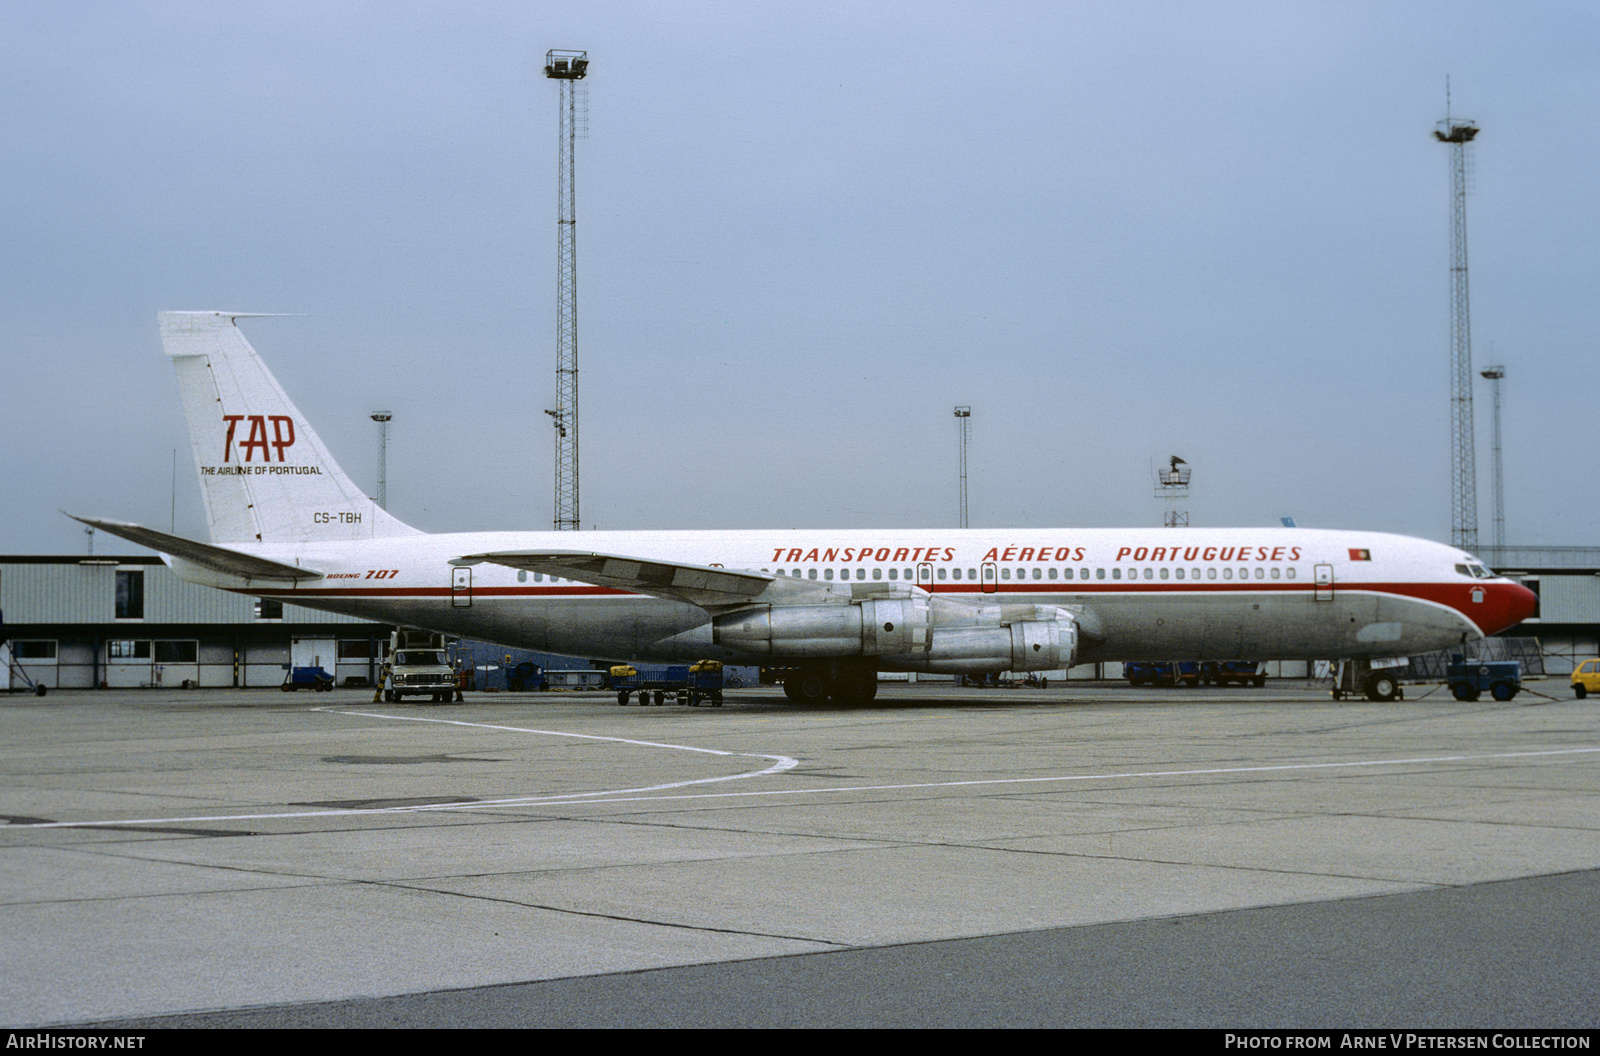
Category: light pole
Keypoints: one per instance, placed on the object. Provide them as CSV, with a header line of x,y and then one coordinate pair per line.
x,y
382,418
964,416
1494,374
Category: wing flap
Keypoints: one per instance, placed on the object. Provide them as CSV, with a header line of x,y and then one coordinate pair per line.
x,y
216,558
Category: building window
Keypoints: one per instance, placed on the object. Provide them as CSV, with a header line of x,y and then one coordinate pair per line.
x,y
130,594
124,649
37,650
269,609
178,652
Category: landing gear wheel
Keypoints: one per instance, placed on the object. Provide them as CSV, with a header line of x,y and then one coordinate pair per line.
x,y
855,687
1382,687
809,685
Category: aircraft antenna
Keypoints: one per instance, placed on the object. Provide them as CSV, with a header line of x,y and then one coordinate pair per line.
x,y
964,417
567,68
1458,134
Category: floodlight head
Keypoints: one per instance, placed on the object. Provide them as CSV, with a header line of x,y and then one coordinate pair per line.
x,y
566,65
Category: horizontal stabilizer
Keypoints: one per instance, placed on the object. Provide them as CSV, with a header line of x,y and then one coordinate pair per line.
x,y
216,558
713,589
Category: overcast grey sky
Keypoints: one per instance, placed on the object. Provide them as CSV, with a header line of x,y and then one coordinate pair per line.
x,y
1118,231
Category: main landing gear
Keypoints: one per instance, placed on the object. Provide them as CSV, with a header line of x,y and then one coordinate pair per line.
x,y
1354,677
840,683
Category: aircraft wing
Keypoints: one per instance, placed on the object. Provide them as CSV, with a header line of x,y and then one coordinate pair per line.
x,y
712,589
216,558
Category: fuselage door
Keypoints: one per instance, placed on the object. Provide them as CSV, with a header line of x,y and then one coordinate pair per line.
x,y
989,576
1324,581
924,575
460,587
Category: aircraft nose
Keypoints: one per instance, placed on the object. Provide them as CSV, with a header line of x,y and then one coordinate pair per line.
x,y
1512,603
1524,603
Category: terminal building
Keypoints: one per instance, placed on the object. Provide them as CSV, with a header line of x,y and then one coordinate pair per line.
x,y
125,622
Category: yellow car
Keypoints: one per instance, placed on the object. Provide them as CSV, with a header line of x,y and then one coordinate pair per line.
x,y
1586,678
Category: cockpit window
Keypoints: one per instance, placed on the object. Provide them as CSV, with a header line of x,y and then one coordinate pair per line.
x,y
1475,570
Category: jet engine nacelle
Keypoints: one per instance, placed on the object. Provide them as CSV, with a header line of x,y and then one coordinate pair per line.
x,y
909,633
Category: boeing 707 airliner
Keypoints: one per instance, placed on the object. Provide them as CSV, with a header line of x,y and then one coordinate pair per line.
x,y
837,605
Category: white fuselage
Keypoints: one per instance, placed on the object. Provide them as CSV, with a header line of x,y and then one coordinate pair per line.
x,y
1220,594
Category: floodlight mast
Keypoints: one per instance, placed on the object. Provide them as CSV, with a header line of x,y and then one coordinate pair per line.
x,y
964,415
1458,134
383,418
1496,374
1172,484
566,68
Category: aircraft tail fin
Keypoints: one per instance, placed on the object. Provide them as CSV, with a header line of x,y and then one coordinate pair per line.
x,y
264,473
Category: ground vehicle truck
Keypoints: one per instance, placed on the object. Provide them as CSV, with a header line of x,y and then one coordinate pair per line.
x,y
1470,678
417,667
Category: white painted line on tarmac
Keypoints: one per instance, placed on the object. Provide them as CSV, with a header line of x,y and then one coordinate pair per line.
x,y
1114,776
779,765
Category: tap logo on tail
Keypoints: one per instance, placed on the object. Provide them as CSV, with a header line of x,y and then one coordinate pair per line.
x,y
259,446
